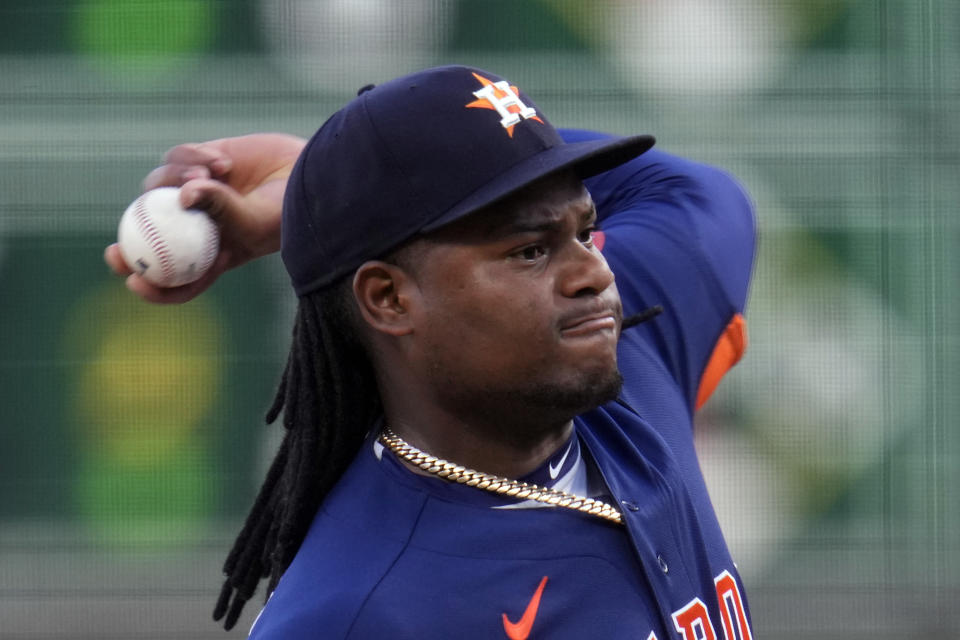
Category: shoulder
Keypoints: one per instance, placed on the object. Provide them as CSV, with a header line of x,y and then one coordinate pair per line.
x,y
292,614
333,574
360,530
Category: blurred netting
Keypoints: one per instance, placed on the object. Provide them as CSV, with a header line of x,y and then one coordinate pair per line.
x,y
131,438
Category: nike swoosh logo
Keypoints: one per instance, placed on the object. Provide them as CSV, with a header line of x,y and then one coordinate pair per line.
x,y
554,470
521,630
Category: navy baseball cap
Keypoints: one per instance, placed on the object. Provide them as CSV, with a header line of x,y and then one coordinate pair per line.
x,y
414,154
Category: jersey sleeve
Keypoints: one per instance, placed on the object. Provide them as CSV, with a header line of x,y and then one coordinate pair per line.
x,y
681,235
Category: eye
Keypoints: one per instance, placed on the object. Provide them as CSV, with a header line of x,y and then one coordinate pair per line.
x,y
586,236
531,253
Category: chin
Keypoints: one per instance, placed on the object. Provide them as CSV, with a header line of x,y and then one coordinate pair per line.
x,y
575,397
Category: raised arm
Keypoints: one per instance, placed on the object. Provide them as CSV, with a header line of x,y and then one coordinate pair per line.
x,y
239,182
681,235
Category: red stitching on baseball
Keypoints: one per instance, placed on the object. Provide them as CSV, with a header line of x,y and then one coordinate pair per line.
x,y
210,250
153,238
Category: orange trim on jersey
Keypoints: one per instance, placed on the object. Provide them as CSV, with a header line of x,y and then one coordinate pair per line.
x,y
726,353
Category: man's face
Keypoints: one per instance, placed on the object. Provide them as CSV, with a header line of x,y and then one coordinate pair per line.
x,y
519,314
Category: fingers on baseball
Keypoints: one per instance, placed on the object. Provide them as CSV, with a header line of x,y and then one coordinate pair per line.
x,y
215,198
203,155
171,295
160,295
187,162
175,175
199,154
114,260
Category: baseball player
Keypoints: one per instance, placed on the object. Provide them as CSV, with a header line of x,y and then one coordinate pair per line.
x,y
502,335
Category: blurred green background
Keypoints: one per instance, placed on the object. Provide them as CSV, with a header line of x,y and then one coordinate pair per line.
x,y
131,436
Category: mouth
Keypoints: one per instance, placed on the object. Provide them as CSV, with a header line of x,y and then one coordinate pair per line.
x,y
598,323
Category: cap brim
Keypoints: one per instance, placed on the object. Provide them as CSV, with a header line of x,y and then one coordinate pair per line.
x,y
585,158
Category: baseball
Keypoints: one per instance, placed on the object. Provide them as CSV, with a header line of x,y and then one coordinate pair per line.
x,y
165,243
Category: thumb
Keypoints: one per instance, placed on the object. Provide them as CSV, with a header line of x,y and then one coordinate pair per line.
x,y
249,226
222,203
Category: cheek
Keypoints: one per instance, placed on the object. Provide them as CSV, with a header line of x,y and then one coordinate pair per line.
x,y
489,328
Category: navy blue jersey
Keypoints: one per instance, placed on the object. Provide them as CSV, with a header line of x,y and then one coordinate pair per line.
x,y
393,554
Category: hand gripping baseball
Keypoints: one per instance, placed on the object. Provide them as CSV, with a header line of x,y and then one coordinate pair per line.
x,y
239,183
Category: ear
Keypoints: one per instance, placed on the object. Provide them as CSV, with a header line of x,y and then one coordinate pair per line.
x,y
384,292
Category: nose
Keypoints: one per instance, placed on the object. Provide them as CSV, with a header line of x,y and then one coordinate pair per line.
x,y
586,272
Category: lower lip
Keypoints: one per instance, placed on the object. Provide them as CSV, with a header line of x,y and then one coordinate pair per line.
x,y
590,327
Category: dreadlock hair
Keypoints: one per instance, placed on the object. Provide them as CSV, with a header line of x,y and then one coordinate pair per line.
x,y
329,398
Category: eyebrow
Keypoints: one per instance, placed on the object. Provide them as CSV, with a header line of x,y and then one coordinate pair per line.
x,y
552,225
519,226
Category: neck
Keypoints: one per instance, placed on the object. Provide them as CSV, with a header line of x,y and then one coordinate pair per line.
x,y
499,433
509,450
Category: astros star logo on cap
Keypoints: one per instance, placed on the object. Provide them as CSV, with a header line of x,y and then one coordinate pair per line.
x,y
505,99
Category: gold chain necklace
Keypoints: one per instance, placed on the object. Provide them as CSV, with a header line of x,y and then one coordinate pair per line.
x,y
495,484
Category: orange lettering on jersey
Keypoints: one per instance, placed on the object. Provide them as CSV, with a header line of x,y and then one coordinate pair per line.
x,y
693,622
726,353
732,612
